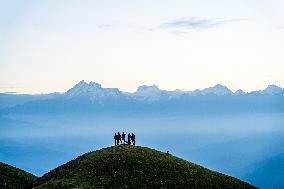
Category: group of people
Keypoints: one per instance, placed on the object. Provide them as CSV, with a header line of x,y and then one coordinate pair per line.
x,y
121,138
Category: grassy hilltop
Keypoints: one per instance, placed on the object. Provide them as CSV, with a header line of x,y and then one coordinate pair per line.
x,y
127,166
14,178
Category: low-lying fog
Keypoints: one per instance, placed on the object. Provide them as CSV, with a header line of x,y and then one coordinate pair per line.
x,y
238,145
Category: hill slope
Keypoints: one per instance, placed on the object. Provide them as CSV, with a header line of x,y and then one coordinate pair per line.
x,y
14,178
127,166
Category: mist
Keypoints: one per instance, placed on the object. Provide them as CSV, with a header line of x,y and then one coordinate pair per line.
x,y
229,143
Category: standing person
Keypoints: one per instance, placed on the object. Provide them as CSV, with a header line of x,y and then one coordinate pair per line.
x,y
133,138
115,139
123,137
129,139
118,137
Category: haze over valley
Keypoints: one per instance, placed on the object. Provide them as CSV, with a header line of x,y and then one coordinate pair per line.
x,y
236,133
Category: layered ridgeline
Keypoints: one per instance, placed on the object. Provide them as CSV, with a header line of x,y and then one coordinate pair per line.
x,y
14,178
92,97
126,166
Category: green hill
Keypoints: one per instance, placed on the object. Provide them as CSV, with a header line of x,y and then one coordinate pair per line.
x,y
14,178
127,166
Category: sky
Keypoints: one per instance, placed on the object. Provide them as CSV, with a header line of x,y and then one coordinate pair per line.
x,y
48,46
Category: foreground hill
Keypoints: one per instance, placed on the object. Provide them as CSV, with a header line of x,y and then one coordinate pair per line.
x,y
14,178
127,166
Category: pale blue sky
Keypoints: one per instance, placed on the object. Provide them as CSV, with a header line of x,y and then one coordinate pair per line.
x,y
48,46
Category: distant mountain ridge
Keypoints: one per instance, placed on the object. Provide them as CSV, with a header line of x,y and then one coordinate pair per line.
x,y
94,90
90,97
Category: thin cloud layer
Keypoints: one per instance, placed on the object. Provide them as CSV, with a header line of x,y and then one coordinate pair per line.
x,y
103,26
194,23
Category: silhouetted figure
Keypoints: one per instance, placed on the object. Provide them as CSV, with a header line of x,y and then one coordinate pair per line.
x,y
118,137
168,152
133,138
115,139
123,137
129,139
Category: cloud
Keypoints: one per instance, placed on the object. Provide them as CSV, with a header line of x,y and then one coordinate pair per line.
x,y
103,26
8,87
281,27
9,92
194,23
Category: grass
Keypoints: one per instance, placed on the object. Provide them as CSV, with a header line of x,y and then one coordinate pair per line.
x,y
14,178
127,166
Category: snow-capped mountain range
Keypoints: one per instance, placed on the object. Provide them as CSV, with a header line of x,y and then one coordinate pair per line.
x,y
91,90
92,97
153,92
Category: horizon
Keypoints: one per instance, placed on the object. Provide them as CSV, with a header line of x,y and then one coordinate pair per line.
x,y
48,46
151,85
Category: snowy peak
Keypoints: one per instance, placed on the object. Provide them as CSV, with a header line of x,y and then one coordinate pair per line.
x,y
92,89
239,92
95,85
273,89
152,92
146,90
83,88
217,90
82,84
